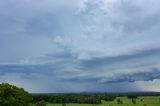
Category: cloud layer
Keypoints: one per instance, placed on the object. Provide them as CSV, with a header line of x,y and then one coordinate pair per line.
x,y
98,45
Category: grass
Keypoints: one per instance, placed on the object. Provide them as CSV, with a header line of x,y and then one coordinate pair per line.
x,y
149,101
140,101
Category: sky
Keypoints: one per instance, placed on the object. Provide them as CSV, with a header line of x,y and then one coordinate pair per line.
x,y
60,46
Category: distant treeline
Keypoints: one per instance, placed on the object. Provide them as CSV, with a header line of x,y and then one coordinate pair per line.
x,y
133,95
81,98
86,98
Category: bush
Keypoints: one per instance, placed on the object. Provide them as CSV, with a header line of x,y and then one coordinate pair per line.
x,y
134,101
13,96
63,104
41,103
119,101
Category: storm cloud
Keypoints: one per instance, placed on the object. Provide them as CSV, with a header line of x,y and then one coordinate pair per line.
x,y
100,45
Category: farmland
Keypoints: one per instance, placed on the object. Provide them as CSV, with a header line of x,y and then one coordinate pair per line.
x,y
140,101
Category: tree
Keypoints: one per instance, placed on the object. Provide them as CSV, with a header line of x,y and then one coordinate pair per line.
x,y
133,101
119,101
41,103
63,104
11,95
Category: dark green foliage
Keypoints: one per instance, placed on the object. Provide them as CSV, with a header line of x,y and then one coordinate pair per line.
x,y
107,97
144,105
41,103
63,104
13,96
134,101
87,98
119,101
68,98
132,96
141,100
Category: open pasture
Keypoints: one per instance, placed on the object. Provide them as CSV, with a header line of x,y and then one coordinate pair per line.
x,y
140,101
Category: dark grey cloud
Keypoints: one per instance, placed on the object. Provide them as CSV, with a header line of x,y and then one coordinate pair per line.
x,y
116,59
142,76
141,66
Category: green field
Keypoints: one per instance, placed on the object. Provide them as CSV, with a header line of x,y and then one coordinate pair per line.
x,y
140,101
